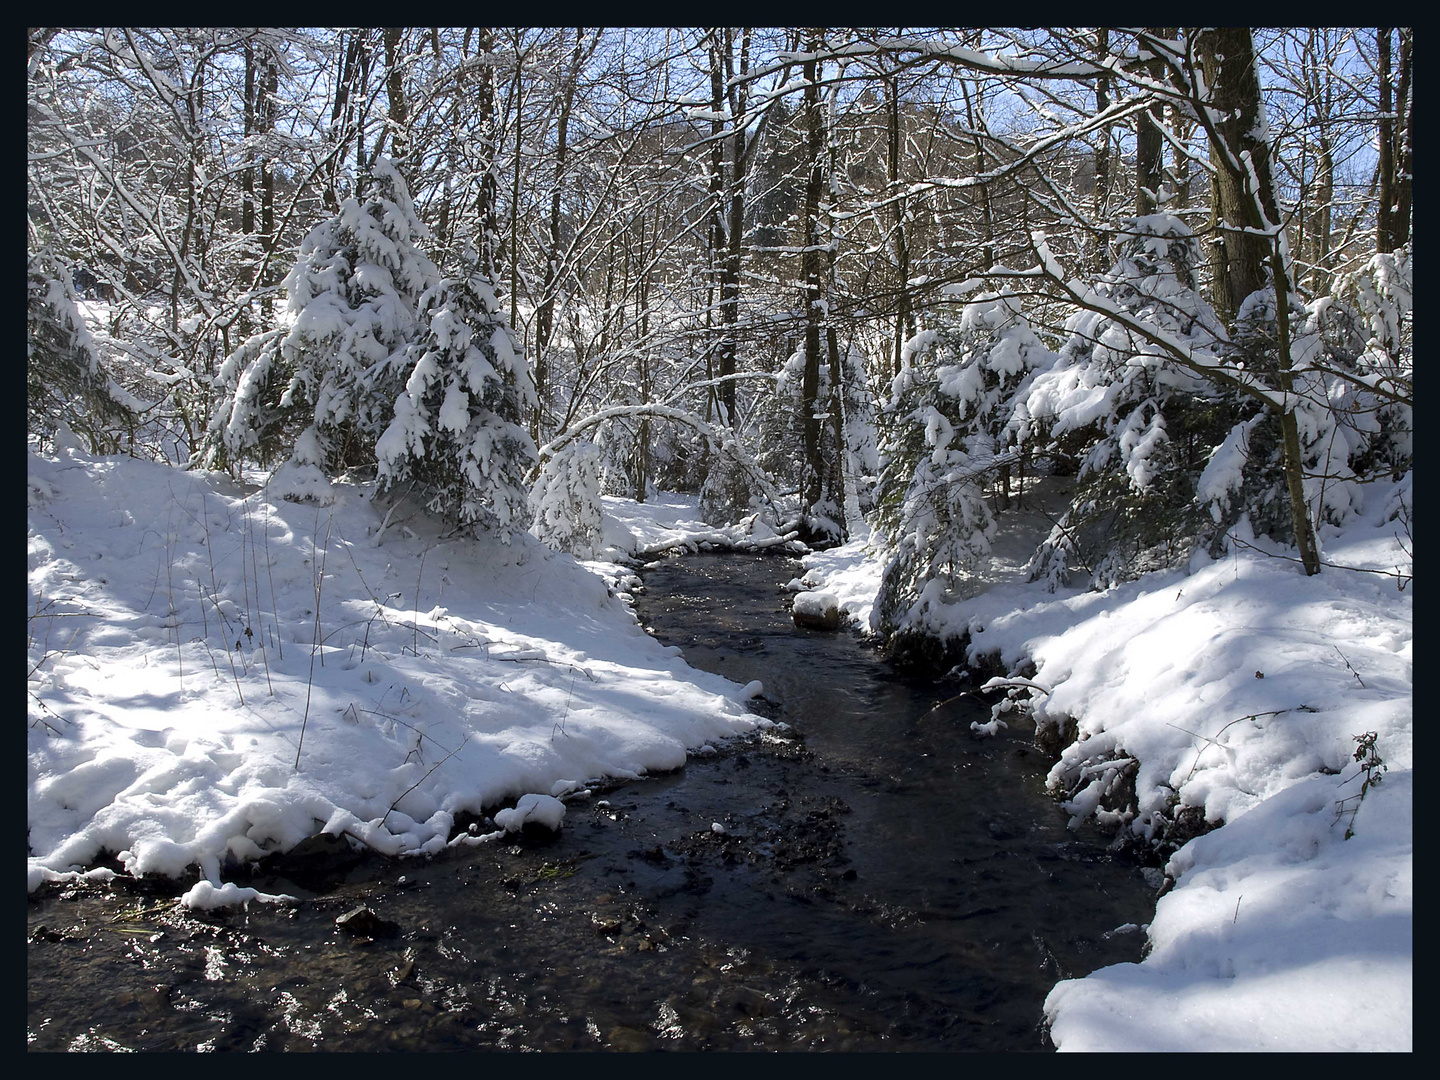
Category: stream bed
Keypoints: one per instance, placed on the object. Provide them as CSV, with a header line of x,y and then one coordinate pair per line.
x,y
867,875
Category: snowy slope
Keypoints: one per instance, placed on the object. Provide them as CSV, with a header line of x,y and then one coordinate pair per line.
x,y
439,674
1238,688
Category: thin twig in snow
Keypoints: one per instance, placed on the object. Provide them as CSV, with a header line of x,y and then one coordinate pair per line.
x,y
422,779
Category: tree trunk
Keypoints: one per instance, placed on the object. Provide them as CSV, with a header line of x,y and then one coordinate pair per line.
x,y
1402,140
1102,174
1392,216
1385,212
545,312
1150,143
1245,190
810,268
1319,98
1241,248
399,108
904,321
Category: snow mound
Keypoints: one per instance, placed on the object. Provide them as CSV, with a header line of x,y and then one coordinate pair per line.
x,y
204,896
543,810
218,673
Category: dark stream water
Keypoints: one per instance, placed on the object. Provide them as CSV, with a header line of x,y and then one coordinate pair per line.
x,y
884,881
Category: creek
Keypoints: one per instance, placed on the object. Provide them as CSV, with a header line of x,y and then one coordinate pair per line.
x,y
880,879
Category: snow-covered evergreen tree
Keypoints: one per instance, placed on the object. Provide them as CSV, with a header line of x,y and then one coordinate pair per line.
x,y
947,413
729,491
455,426
1137,428
340,365
1381,294
566,511
1349,433
66,383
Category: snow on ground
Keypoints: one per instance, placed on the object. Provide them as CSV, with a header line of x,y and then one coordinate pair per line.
x,y
1240,685
455,675
850,573
190,637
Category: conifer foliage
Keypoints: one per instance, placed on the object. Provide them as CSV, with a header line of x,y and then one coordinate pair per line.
x,y
66,381
388,364
456,422
336,370
948,410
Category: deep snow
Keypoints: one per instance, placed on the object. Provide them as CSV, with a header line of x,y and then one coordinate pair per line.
x,y
187,632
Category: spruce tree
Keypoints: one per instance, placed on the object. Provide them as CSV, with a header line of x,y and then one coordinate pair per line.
x,y
339,366
456,423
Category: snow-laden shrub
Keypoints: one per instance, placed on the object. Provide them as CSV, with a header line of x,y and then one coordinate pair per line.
x,y
1381,294
1349,434
66,383
341,363
781,444
947,413
566,511
1137,427
729,491
455,428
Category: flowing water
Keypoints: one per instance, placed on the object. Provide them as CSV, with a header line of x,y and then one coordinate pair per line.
x,y
881,879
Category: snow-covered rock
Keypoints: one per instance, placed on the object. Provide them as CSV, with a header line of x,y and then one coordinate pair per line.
x,y
816,611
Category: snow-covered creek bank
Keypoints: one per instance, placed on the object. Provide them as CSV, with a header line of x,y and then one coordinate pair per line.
x,y
879,880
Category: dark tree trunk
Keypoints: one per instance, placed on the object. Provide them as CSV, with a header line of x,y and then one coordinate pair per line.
x,y
1404,141
810,268
1385,213
399,107
904,321
545,312
1102,169
1393,214
1245,199
1150,143
1242,250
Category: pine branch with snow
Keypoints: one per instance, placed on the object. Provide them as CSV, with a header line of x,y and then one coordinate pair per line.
x,y
67,385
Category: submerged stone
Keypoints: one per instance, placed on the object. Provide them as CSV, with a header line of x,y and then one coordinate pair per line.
x,y
364,922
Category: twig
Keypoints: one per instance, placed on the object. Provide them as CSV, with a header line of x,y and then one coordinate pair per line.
x,y
208,652
244,573
997,683
565,715
422,779
255,568
315,637
41,720
1074,543
414,638
1352,670
170,599
1252,716
270,572
379,610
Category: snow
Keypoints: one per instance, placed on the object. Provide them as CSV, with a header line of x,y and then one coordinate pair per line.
x,y
442,675
543,810
191,638
204,896
1238,686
